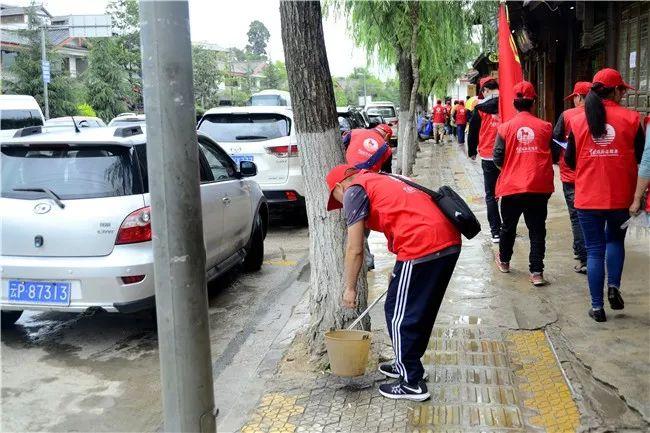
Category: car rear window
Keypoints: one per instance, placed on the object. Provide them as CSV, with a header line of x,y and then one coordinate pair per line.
x,y
70,171
245,126
382,111
16,119
267,100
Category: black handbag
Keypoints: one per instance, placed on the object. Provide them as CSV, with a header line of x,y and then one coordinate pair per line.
x,y
451,205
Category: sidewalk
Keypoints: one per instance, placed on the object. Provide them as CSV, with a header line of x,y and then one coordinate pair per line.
x,y
493,355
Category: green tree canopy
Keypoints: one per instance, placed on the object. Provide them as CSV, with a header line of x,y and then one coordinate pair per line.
x,y
207,76
258,38
107,84
275,76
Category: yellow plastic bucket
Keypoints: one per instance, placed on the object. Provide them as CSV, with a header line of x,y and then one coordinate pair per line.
x,y
348,352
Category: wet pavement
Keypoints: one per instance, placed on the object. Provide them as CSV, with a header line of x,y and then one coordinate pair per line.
x,y
100,371
504,356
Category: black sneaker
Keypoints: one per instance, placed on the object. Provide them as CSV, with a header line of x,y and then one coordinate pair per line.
x,y
598,315
389,370
581,268
402,390
615,298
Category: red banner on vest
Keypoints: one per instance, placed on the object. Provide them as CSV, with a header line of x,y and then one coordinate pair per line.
x,y
509,67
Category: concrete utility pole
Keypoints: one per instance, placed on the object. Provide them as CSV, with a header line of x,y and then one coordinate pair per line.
x,y
179,253
46,101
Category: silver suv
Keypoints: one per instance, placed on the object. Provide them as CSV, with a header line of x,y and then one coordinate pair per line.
x,y
75,215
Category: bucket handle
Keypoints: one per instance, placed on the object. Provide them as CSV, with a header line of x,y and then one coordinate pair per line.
x,y
362,315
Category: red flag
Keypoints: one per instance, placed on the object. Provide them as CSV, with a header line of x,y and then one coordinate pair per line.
x,y
509,67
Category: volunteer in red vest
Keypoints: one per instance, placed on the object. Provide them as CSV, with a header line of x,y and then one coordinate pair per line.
x,y
438,117
523,153
460,118
567,175
368,148
448,109
644,177
605,145
481,134
427,246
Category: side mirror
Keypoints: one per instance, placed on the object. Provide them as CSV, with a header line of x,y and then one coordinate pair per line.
x,y
247,169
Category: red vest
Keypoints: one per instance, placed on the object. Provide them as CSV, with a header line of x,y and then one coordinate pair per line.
x,y
487,134
606,167
438,112
461,115
528,165
363,145
412,223
567,174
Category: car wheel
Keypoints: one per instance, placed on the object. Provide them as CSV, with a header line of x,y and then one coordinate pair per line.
x,y
9,318
255,251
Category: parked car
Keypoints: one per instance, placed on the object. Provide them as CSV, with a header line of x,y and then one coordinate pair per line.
x,y
128,119
387,110
81,121
350,118
266,136
75,216
18,111
271,98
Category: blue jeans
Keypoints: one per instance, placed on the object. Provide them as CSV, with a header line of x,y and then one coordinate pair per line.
x,y
460,130
604,241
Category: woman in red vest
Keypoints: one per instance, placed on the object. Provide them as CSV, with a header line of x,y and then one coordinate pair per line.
x,y
567,175
523,153
460,119
605,145
427,246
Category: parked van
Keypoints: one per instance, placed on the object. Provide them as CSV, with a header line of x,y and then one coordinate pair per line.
x,y
18,111
388,111
271,97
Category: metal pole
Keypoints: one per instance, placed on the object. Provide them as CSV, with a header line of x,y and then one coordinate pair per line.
x,y
46,101
179,253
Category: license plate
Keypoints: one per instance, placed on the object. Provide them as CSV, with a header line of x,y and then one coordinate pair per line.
x,y
240,158
39,292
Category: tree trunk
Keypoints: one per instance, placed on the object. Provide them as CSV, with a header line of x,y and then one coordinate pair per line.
x,y
405,74
410,150
320,147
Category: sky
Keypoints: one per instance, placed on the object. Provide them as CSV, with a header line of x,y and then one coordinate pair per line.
x,y
225,22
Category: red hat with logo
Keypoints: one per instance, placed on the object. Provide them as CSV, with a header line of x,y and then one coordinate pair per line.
x,y
484,81
525,90
337,175
385,129
581,88
609,77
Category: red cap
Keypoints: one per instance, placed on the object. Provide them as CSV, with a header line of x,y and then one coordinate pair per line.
x,y
337,175
484,81
609,77
525,90
385,130
581,88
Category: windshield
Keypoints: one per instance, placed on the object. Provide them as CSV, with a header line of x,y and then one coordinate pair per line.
x,y
16,119
245,126
382,111
71,172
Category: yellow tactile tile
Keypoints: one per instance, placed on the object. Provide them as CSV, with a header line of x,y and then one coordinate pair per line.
x,y
272,415
542,379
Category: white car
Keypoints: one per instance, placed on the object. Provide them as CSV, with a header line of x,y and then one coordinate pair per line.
x,y
75,219
264,135
128,119
387,110
18,111
70,121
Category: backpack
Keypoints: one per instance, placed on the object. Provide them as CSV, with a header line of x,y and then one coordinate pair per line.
x,y
451,205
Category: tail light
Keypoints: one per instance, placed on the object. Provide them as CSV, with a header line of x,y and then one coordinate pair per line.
x,y
283,151
291,195
132,279
135,228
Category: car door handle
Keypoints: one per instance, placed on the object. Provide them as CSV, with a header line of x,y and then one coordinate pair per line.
x,y
226,200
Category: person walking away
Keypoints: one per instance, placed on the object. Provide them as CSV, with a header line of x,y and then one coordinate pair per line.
x,y
523,153
605,145
481,134
448,109
427,245
567,175
460,118
369,149
644,177
438,119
